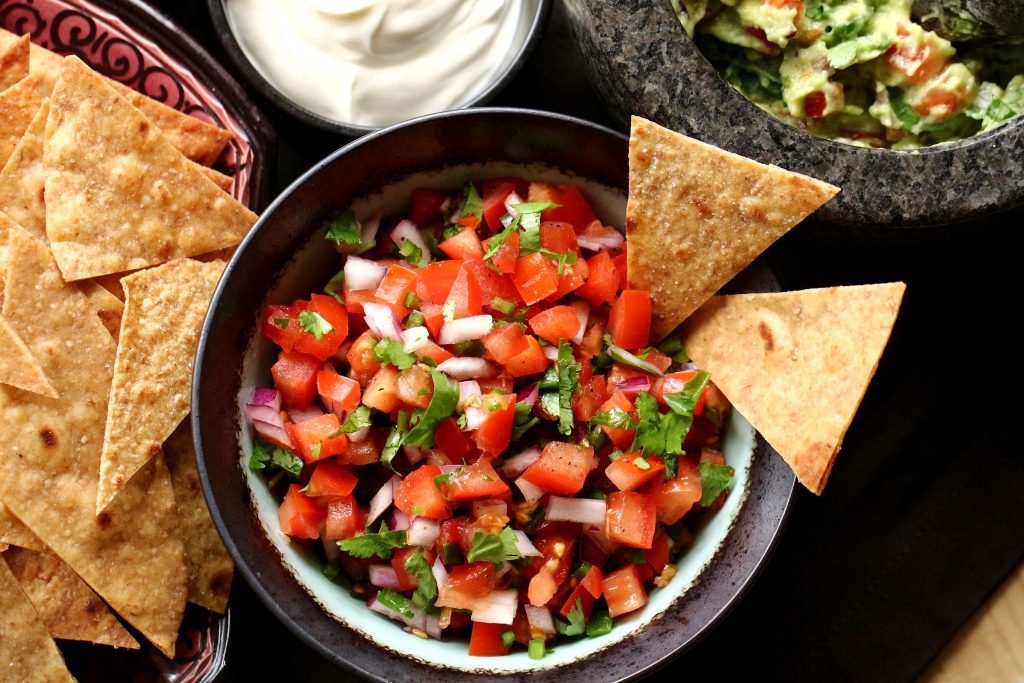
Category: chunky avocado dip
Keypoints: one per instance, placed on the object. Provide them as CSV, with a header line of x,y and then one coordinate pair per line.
x,y
857,71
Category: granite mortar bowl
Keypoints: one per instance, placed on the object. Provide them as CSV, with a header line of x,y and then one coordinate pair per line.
x,y
642,62
539,12
286,256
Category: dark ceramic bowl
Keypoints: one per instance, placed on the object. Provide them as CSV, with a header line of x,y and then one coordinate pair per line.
x,y
642,62
352,130
285,257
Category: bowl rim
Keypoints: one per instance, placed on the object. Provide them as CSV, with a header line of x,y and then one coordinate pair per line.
x,y
763,458
231,46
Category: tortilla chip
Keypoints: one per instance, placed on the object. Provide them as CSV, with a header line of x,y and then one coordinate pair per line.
x,y
27,652
796,364
209,565
150,395
107,306
698,215
132,554
17,366
18,104
118,200
5,225
14,62
200,141
219,179
13,532
68,607
23,178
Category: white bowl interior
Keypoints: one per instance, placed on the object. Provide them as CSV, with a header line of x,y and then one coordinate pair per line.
x,y
333,595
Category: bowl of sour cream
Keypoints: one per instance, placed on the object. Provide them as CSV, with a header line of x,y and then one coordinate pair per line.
x,y
353,66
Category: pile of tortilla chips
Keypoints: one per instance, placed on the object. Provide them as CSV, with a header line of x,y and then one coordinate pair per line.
x,y
796,364
105,198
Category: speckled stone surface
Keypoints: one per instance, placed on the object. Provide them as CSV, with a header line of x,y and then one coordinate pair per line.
x,y
642,62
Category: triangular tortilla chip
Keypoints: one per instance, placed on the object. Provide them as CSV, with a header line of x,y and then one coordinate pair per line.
x,y
198,140
18,104
68,607
698,215
150,393
17,366
13,532
23,178
107,306
27,652
5,225
14,62
118,195
132,554
209,565
796,364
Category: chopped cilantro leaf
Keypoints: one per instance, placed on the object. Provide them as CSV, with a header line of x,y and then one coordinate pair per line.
x,y
581,570
330,570
426,584
264,456
334,286
616,417
636,556
451,230
641,463
472,205
396,602
568,379
563,259
600,624
577,623
499,239
357,419
379,543
442,404
549,403
344,228
390,352
493,547
315,324
713,480
392,444
524,420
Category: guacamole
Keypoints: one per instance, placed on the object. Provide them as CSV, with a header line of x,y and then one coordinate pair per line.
x,y
857,71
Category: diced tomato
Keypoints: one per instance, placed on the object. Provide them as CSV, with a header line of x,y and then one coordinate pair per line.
x,y
517,351
355,298
455,531
415,386
536,278
281,326
406,581
628,474
621,373
718,459
660,553
620,262
588,398
573,207
558,237
485,640
455,443
299,515
918,58
492,437
674,382
562,468
466,584
340,394
557,543
328,308
426,206
433,352
363,364
475,481
556,323
313,437
508,253
622,438
397,283
815,104
382,391
464,245
433,317
331,480
542,588
623,591
294,375
629,323
417,496
435,280
630,519
493,199
344,518
493,284
363,452
572,278
503,384
520,185
464,296
586,591
593,338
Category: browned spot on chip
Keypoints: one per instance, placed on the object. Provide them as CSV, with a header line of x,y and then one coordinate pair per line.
x,y
766,334
220,583
702,208
103,520
48,438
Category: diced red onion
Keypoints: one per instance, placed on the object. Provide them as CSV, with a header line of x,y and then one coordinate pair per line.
x,y
497,607
528,395
467,389
595,532
423,532
407,230
476,414
362,273
550,352
370,227
439,572
634,385
531,492
303,414
467,367
399,520
511,201
688,366
582,510
433,626
598,237
417,620
540,619
583,315
264,413
465,329
273,433
447,469
493,505
623,356
359,435
591,552
381,500
382,321
525,546
266,396
384,576
412,454
518,463
415,338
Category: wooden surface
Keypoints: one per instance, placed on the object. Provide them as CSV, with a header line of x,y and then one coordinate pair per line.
x,y
989,647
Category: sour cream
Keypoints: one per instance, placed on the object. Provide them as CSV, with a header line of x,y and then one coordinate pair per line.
x,y
377,62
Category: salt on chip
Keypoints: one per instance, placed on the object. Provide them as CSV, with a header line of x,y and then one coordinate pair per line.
x,y
149,397
698,215
23,177
133,553
198,140
118,195
18,104
27,652
14,62
796,364
209,565
69,609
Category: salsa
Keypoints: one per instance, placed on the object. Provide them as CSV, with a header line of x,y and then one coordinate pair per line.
x,y
857,71
471,422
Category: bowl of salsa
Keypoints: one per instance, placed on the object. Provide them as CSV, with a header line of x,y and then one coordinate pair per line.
x,y
435,433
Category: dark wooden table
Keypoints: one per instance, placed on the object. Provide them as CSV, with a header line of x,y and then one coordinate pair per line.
x,y
923,516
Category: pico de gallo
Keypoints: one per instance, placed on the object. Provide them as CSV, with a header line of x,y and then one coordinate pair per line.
x,y
471,421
